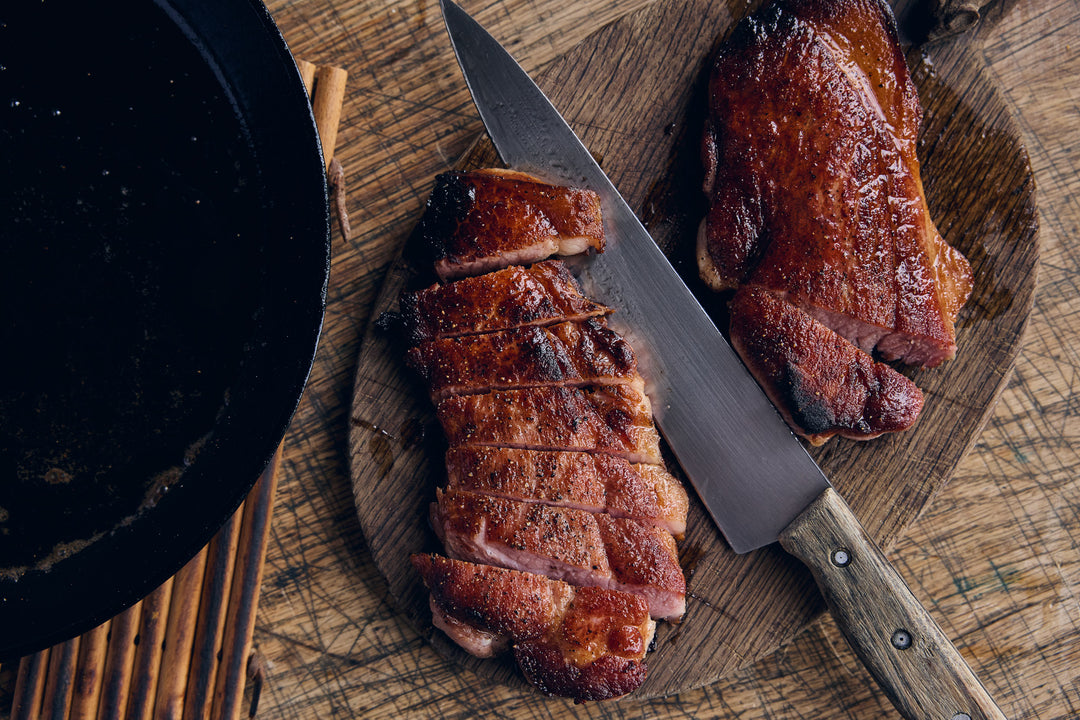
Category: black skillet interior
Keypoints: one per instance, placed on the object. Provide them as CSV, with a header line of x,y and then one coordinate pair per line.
x,y
164,254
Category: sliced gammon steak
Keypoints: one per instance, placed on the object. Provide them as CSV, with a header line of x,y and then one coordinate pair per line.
x,y
583,643
558,513
569,353
575,546
541,294
613,419
488,219
581,480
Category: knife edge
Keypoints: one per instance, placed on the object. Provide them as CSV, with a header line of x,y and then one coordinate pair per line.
x,y
751,473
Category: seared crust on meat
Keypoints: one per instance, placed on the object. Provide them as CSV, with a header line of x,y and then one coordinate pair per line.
x,y
823,384
487,219
627,411
579,547
584,643
614,419
813,179
607,677
542,294
586,481
549,429
555,542
644,560
600,624
521,606
570,353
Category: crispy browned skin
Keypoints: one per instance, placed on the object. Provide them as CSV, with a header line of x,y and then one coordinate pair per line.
x,y
544,411
814,184
572,353
614,419
627,411
645,561
586,481
575,546
583,643
478,221
542,294
554,542
611,627
823,384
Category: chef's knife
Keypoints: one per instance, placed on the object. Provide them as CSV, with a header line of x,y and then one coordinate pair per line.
x,y
754,477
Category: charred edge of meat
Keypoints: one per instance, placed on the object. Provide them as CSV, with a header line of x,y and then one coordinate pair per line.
x,y
584,643
541,294
606,678
823,384
446,207
569,353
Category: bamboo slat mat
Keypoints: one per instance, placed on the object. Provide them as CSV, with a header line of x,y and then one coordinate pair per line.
x,y
185,650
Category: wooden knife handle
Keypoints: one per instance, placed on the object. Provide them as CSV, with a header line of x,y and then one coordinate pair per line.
x,y
892,633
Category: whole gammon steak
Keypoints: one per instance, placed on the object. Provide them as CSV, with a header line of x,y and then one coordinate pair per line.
x,y
815,200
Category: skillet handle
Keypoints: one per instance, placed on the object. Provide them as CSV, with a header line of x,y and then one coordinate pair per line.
x,y
891,632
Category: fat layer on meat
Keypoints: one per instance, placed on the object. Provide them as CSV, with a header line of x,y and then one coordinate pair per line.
x,y
569,353
582,643
614,419
586,481
483,220
542,294
578,547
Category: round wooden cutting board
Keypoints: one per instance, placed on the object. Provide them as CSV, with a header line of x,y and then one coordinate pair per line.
x,y
634,92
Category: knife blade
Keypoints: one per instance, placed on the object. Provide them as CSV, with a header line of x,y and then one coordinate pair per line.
x,y
752,474
703,376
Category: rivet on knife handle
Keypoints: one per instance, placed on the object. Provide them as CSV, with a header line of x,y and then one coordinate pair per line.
x,y
900,644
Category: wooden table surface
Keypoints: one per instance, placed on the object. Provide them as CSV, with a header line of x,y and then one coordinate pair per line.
x,y
996,556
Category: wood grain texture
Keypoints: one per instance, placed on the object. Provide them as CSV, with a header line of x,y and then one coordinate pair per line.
x,y
89,668
60,682
998,549
896,638
179,635
153,622
244,594
30,686
212,619
119,660
739,607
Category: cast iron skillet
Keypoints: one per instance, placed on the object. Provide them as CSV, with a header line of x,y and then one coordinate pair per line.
x,y
164,255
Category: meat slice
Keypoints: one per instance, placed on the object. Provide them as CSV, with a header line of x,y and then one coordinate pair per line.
x,y
628,411
483,220
554,542
575,546
823,385
580,480
542,294
645,561
813,179
581,643
571,353
614,419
